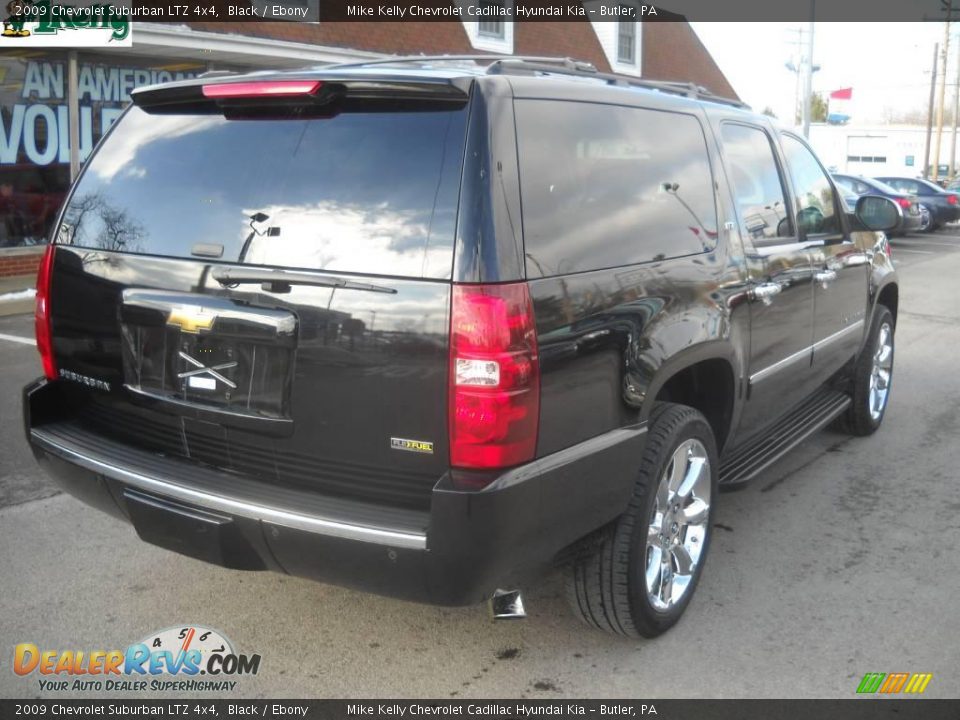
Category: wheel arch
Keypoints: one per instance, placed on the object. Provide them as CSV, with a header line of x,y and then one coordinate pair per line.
x,y
889,296
705,381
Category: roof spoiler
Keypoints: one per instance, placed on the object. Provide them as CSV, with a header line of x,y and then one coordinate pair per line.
x,y
223,92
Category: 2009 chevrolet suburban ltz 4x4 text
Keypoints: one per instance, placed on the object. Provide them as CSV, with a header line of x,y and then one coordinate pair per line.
x,y
422,327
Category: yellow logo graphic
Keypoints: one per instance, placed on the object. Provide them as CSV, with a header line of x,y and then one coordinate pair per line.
x,y
13,26
911,683
191,319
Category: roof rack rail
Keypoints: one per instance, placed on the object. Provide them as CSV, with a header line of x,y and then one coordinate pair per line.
x,y
569,63
532,65
510,65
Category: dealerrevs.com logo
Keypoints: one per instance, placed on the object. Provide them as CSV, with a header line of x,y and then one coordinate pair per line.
x,y
186,658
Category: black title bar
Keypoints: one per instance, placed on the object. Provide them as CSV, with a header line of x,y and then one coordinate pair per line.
x,y
854,709
859,11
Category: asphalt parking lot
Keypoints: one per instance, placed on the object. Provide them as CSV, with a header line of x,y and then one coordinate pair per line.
x,y
841,560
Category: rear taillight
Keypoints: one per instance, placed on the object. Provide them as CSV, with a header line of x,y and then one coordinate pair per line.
x,y
262,89
42,314
952,199
494,376
904,203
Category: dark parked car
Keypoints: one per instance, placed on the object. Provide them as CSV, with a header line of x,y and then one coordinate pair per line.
x,y
425,331
942,205
912,216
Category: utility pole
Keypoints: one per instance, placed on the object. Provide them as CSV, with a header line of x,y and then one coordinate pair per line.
x,y
933,88
956,109
808,73
943,92
795,65
73,114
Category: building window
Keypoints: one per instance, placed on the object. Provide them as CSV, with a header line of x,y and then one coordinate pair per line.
x,y
626,42
489,24
491,28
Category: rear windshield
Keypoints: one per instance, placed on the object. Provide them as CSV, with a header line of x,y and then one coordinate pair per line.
x,y
358,192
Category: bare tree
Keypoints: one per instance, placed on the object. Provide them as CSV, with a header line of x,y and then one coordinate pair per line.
x,y
120,231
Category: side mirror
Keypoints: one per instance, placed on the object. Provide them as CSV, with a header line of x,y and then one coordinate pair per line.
x,y
878,213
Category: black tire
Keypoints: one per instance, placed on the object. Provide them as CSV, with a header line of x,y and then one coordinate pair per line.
x,y
860,419
606,585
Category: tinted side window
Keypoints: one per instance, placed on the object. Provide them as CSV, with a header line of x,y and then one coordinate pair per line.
x,y
756,182
605,186
816,205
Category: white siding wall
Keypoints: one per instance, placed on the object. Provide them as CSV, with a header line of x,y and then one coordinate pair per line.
x,y
836,144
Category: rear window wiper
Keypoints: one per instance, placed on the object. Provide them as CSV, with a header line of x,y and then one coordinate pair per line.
x,y
280,281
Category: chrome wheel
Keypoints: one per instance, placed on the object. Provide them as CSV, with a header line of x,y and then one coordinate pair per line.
x,y
678,525
882,371
926,219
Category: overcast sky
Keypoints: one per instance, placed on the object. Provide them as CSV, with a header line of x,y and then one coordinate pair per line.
x,y
886,64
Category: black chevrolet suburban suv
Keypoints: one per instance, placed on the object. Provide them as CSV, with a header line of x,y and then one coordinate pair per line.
x,y
426,326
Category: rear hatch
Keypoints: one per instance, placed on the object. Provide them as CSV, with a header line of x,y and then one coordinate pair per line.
x,y
257,278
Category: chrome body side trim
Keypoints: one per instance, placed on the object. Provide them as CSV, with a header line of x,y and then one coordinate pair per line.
x,y
804,354
839,335
286,518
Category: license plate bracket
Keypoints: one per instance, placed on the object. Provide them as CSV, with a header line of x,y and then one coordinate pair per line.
x,y
208,352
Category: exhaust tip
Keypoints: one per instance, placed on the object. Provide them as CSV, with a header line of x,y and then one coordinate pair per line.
x,y
507,605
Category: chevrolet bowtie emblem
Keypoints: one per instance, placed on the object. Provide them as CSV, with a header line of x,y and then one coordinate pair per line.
x,y
191,319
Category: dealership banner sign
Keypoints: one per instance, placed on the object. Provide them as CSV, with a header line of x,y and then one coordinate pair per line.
x,y
36,127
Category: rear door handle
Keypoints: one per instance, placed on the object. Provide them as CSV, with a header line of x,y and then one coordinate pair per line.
x,y
765,292
855,260
825,276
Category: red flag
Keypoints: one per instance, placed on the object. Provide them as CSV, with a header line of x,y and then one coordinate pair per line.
x,y
842,94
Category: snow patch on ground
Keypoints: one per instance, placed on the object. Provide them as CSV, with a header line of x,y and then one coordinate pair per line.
x,y
18,295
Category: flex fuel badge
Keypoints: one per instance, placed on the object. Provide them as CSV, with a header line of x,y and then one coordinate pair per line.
x,y
418,446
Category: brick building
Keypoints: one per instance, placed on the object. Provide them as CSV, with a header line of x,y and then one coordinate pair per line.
x,y
36,91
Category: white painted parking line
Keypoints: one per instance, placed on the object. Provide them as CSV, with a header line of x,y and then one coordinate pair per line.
x,y
18,339
934,242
